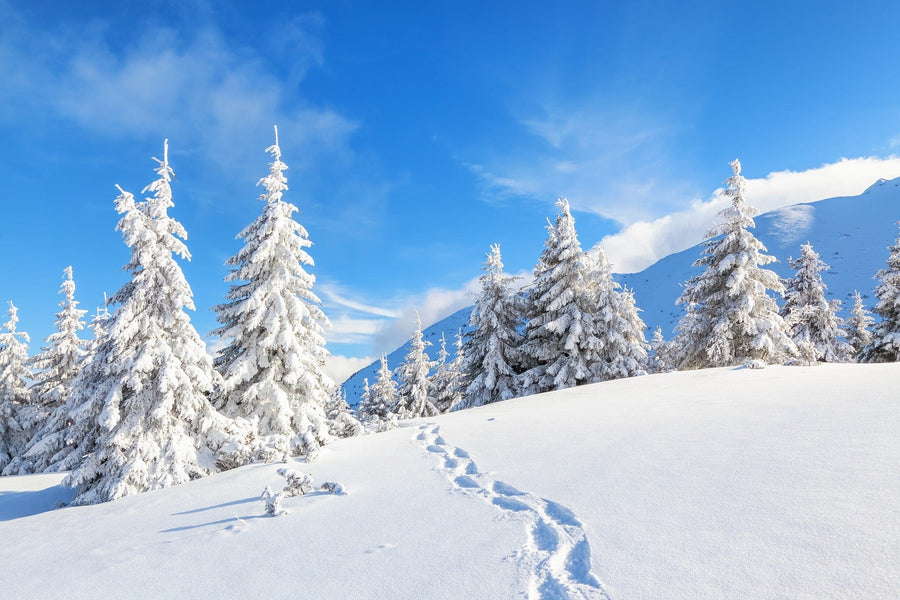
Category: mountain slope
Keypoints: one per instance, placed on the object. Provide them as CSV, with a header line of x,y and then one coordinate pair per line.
x,y
721,483
851,234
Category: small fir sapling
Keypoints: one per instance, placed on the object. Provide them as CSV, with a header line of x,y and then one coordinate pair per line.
x,y
333,487
272,502
298,483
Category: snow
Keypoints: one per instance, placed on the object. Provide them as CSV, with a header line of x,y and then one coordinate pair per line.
x,y
719,483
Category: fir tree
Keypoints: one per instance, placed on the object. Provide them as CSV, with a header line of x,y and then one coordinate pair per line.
x,y
811,319
375,408
449,379
491,350
341,421
414,394
273,366
730,317
623,351
660,361
61,442
561,347
55,368
858,327
885,344
14,394
147,387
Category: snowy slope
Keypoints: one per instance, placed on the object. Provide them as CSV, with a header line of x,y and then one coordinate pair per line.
x,y
851,234
723,483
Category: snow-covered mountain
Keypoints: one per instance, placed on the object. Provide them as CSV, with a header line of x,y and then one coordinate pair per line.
x,y
720,483
851,234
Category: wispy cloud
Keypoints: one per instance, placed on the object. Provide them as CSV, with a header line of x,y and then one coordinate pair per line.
x,y
608,159
333,293
644,242
190,85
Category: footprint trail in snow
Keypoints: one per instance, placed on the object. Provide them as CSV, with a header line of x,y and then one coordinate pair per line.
x,y
556,554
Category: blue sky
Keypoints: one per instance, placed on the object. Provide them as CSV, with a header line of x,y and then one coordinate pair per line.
x,y
418,133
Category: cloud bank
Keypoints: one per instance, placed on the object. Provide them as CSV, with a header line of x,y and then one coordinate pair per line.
x,y
642,243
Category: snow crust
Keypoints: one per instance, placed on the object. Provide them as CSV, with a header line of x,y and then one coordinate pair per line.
x,y
719,483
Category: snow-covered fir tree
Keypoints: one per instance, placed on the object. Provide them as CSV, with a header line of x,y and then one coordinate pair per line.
x,y
858,327
375,409
660,361
61,441
812,319
449,378
55,368
885,344
623,351
14,394
561,347
491,348
274,364
148,384
730,317
341,421
414,393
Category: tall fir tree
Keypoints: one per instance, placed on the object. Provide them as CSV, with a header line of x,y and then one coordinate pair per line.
x,y
812,319
149,381
492,347
561,348
858,327
414,393
55,369
730,317
449,378
14,393
274,364
623,351
885,344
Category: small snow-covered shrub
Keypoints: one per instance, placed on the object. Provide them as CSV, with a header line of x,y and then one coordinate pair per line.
x,y
333,487
298,483
755,364
272,502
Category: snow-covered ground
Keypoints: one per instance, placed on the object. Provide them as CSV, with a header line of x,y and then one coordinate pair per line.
x,y
723,483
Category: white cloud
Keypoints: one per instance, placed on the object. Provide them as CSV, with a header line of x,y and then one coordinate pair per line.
x,y
432,306
339,368
346,329
644,242
196,88
333,293
606,159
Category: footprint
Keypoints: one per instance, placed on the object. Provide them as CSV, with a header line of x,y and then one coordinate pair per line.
x,y
452,463
436,449
464,481
560,513
504,489
460,453
545,537
510,504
